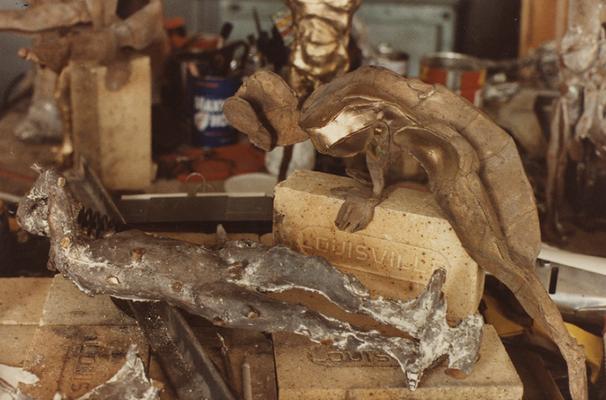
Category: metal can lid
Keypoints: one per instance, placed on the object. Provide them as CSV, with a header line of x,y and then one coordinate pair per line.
x,y
386,50
452,60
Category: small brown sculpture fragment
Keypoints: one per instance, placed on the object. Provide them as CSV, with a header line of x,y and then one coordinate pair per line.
x,y
87,31
474,171
227,286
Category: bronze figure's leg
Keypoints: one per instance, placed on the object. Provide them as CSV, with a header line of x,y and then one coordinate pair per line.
x,y
279,269
358,209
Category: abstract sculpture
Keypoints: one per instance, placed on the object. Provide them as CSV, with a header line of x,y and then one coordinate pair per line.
x,y
473,166
227,286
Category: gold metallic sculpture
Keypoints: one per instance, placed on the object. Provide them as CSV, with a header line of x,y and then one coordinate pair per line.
x,y
319,52
474,170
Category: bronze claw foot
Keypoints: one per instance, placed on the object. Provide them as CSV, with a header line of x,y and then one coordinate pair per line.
x,y
358,209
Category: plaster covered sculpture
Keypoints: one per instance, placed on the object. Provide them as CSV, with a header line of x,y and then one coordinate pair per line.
x,y
96,31
227,286
473,166
578,126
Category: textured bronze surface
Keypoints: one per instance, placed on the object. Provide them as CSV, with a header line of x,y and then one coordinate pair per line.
x,y
474,170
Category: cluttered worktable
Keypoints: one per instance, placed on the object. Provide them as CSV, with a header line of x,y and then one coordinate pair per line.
x,y
292,215
90,337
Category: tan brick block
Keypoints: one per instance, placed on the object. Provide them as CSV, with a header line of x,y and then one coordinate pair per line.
x,y
307,371
22,299
67,305
395,255
16,342
74,359
112,128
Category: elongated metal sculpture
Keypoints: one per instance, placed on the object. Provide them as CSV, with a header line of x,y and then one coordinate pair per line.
x,y
473,166
227,286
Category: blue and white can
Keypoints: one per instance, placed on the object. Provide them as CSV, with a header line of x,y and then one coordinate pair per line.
x,y
211,126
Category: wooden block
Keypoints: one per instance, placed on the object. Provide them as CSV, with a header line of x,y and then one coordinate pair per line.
x,y
22,299
73,360
394,256
67,305
307,371
112,129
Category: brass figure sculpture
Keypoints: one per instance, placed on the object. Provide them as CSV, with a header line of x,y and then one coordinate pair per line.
x,y
474,170
227,286
319,51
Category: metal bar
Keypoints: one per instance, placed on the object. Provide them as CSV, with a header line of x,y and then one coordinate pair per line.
x,y
189,370
184,361
215,208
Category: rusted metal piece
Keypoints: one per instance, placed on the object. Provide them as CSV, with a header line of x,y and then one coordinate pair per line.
x,y
227,286
474,169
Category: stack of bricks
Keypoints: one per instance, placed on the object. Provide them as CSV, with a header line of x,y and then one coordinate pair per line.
x,y
394,256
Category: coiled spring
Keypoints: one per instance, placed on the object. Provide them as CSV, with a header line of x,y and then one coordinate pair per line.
x,y
95,224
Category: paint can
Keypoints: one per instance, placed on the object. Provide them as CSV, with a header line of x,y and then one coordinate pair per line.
x,y
463,74
390,58
209,93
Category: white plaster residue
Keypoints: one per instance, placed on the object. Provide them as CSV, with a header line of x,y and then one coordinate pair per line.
x,y
10,378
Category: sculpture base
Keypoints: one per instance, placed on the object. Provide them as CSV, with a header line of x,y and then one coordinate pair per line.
x,y
307,371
